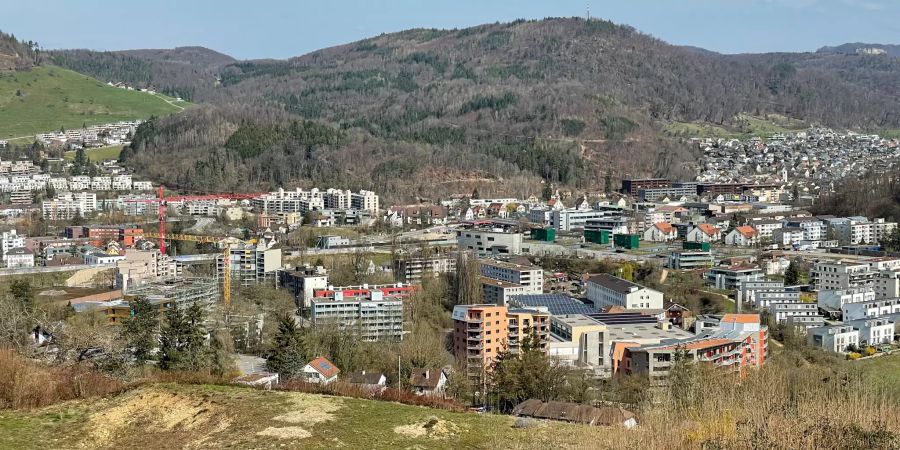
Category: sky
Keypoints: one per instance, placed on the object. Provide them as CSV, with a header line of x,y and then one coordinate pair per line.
x,y
285,28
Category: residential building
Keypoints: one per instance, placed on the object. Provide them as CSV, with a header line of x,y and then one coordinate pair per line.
x,y
633,186
838,275
606,290
67,205
782,311
859,230
574,219
833,338
610,224
373,382
141,266
739,344
366,291
527,324
866,310
413,270
428,381
743,236
873,331
835,299
731,278
378,318
813,229
486,242
499,292
760,294
18,257
320,371
787,236
10,240
690,259
529,276
704,232
250,264
480,334
578,340
364,201
661,232
765,227
303,282
887,284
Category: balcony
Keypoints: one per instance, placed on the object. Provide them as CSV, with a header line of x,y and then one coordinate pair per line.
x,y
476,337
478,346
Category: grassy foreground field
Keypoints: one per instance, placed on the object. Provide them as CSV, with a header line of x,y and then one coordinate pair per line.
x,y
48,98
179,416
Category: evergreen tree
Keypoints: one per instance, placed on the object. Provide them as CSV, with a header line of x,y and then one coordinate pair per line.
x,y
140,330
607,183
547,192
79,164
475,194
792,273
289,352
182,340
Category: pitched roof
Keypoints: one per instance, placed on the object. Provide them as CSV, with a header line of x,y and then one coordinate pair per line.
x,y
664,227
708,229
747,231
365,377
324,367
425,378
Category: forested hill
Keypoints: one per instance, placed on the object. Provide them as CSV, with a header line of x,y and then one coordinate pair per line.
x,y
15,54
502,105
186,72
861,47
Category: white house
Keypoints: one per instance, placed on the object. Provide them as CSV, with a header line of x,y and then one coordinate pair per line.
x,y
10,240
428,381
371,381
742,236
835,338
661,232
321,370
704,233
605,290
18,257
873,331
866,310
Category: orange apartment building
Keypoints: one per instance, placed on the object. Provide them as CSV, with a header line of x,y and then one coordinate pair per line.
x,y
480,334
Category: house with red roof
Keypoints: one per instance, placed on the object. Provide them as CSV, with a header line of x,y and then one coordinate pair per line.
x,y
742,236
704,233
661,232
321,370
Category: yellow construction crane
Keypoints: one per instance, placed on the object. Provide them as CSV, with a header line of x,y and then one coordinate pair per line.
x,y
226,262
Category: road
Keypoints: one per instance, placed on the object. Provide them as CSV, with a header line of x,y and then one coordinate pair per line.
x,y
180,108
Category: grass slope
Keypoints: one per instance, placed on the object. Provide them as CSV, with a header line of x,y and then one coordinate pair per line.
x,y
97,154
180,416
48,98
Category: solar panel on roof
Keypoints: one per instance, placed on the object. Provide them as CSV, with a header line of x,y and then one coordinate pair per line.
x,y
556,304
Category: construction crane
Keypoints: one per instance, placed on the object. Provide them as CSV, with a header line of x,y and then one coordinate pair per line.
x,y
163,202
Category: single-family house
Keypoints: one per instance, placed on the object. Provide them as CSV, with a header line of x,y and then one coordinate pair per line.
x,y
704,233
743,236
321,370
370,381
428,381
661,232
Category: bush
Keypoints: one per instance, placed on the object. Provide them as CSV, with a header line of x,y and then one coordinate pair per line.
x,y
28,384
853,356
870,350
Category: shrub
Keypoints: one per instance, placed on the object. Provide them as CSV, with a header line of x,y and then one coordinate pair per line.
x,y
853,356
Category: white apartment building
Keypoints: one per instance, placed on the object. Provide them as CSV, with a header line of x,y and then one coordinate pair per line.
x,y
10,240
765,227
613,224
867,310
122,183
857,230
499,292
837,298
837,275
142,186
782,311
835,338
101,183
18,257
887,284
529,277
605,290
250,264
337,199
574,219
364,201
761,294
80,183
68,205
873,331
813,229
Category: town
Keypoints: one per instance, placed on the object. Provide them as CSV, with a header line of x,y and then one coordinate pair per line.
x,y
450,226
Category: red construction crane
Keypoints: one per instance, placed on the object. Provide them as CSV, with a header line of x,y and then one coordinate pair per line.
x,y
163,202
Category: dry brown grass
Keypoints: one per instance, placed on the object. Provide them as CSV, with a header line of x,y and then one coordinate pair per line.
x,y
26,384
343,389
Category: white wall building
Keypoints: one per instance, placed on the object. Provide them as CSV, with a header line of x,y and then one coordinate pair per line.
x,y
605,290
